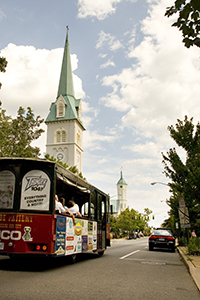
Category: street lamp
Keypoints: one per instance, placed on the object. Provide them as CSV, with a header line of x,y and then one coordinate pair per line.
x,y
153,183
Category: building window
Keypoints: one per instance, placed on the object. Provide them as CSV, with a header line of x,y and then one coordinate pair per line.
x,y
63,136
60,108
60,136
79,138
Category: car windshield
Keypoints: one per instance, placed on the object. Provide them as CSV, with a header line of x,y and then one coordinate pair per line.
x,y
161,232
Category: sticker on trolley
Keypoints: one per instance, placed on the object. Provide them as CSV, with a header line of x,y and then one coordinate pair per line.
x,y
27,234
35,191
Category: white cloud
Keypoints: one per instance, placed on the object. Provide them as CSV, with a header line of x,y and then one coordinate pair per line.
x,y
149,149
162,85
107,38
107,64
32,78
2,15
89,113
96,8
102,55
93,140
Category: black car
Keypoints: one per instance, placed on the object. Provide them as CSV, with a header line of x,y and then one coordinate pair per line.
x,y
161,239
132,236
165,228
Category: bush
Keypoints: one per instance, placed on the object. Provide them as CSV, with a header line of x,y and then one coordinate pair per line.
x,y
194,246
182,241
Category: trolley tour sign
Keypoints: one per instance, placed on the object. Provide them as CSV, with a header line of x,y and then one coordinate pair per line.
x,y
183,214
35,191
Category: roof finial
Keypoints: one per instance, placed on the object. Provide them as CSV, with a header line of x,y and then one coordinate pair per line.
x,y
121,172
67,28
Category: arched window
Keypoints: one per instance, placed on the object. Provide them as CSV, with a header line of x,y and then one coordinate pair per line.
x,y
60,135
63,134
60,108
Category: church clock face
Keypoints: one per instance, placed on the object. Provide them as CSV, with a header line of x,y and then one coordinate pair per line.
x,y
60,156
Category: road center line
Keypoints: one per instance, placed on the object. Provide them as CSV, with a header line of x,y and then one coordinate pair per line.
x,y
129,254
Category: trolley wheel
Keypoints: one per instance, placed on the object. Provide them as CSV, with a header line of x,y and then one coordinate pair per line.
x,y
101,253
73,258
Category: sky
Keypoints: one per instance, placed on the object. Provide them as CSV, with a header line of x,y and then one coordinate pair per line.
x,y
132,72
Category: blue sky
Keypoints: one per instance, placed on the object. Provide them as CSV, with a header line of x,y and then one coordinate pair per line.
x,y
131,70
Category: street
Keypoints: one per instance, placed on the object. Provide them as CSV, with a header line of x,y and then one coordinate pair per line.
x,y
128,270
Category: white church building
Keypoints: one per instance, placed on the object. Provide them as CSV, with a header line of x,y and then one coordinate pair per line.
x,y
64,124
65,129
120,204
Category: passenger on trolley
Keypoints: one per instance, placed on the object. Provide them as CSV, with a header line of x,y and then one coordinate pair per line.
x,y
73,208
61,209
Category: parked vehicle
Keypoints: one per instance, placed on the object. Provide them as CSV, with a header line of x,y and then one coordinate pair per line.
x,y
162,239
166,228
132,236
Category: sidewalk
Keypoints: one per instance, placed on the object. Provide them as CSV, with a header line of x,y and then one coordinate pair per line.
x,y
193,264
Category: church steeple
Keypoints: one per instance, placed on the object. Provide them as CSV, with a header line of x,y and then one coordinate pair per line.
x,y
121,180
66,86
121,192
64,123
66,106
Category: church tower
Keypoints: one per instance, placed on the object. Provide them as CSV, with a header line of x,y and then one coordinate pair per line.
x,y
121,193
119,204
64,124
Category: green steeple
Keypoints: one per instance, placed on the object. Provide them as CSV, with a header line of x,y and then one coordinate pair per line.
x,y
66,86
71,105
121,180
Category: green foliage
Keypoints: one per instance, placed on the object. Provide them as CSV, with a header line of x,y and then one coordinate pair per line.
x,y
170,222
182,241
185,176
51,158
16,135
130,220
194,246
188,21
3,65
65,165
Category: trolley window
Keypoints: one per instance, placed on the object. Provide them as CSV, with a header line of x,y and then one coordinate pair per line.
x,y
7,189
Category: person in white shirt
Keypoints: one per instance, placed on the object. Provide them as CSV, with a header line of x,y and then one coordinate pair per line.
x,y
61,209
73,208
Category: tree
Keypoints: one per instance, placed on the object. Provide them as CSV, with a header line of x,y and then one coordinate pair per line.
x,y
65,165
130,220
3,65
185,176
173,203
16,135
188,21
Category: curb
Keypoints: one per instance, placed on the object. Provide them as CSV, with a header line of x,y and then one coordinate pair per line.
x,y
194,272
